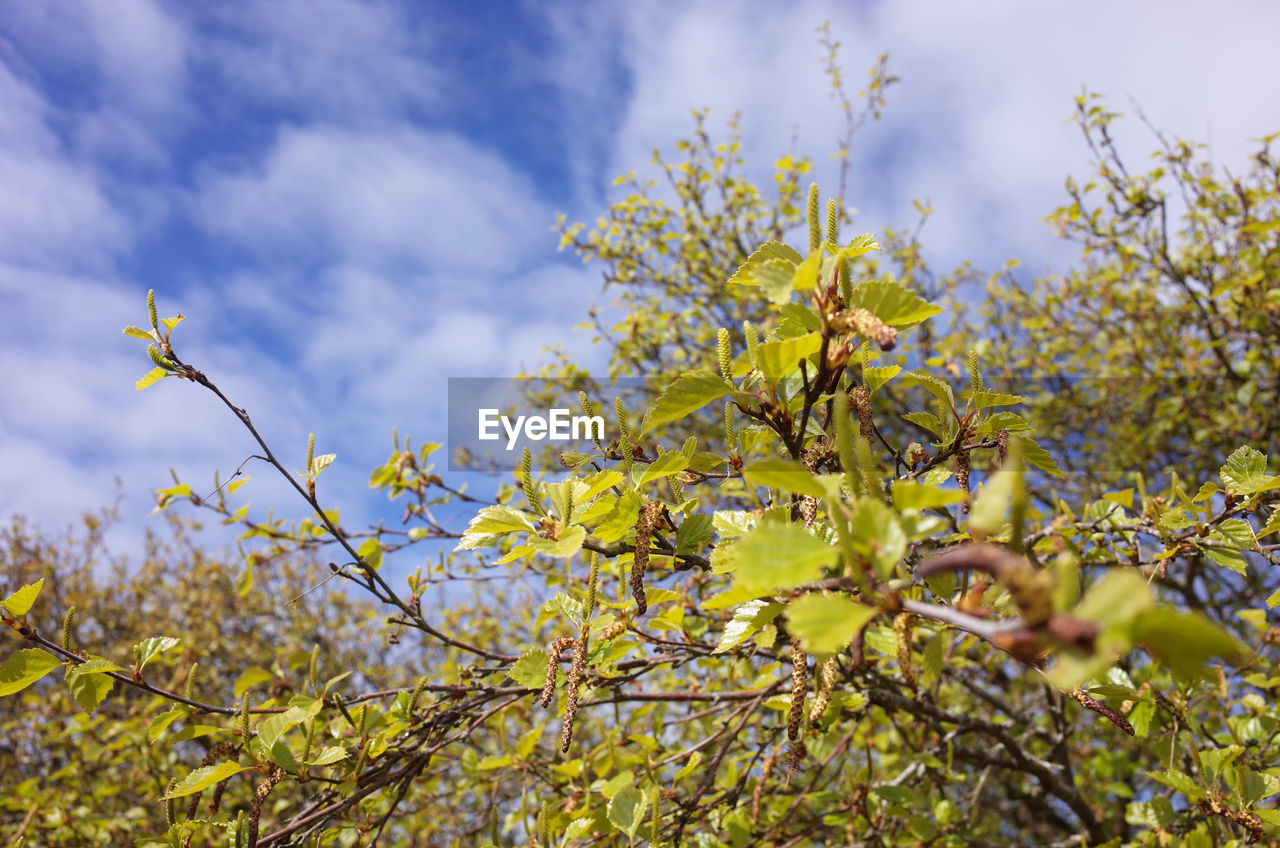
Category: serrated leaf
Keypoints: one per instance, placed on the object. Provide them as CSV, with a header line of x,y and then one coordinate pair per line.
x,y
1178,780
747,619
693,533
89,682
1273,523
19,603
908,494
1245,472
626,810
201,779
785,474
569,543
139,333
826,623
893,303
1038,457
986,399
779,358
780,556
935,386
170,323
321,462
152,376
330,755
531,669
148,649
490,522
671,462
877,534
689,393
748,274
23,668
926,420
874,377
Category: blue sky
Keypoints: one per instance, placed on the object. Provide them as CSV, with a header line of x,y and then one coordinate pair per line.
x,y
352,200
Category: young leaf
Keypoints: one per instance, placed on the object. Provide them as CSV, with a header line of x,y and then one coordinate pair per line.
x,y
150,377
24,668
780,556
785,474
19,603
148,649
671,462
827,623
201,779
686,395
747,619
1245,472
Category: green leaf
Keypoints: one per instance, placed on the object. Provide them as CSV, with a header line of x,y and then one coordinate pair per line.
x,y
874,377
908,494
170,323
1274,600
1245,472
150,377
769,262
935,386
275,726
780,556
1179,781
1183,641
370,551
626,810
201,779
877,535
1273,523
24,668
785,474
330,755
985,399
89,682
148,649
893,303
491,521
139,333
671,462
1038,457
747,619
19,603
320,463
531,669
693,533
569,543
689,393
779,358
827,623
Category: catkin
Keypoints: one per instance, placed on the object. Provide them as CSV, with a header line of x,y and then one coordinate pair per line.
x,y
826,685
962,478
799,680
766,770
862,402
1002,446
902,625
866,324
259,797
644,528
553,667
571,695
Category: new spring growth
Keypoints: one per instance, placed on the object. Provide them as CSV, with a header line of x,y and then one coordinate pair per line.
x,y
572,685
725,352
151,310
624,436
68,621
866,324
644,528
833,221
975,375
815,226
314,669
553,667
245,732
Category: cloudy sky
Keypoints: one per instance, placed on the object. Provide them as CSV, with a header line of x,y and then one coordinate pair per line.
x,y
351,200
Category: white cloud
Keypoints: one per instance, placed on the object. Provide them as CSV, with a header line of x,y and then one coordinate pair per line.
x,y
336,59
411,197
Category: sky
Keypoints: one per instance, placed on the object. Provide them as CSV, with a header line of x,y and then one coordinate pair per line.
x,y
352,200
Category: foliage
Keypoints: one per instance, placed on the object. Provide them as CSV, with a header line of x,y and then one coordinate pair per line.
x,y
796,627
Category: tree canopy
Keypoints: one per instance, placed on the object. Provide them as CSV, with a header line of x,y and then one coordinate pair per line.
x,y
876,566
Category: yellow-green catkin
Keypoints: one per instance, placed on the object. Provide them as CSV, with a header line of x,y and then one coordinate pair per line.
x,y
151,310
975,375
68,621
528,484
624,436
589,410
833,220
815,226
753,342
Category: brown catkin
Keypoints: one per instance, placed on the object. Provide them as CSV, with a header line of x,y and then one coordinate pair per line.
x,y
795,755
613,631
902,625
571,694
865,324
1002,446
553,667
826,685
766,771
644,528
799,680
259,797
808,510
862,402
962,478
